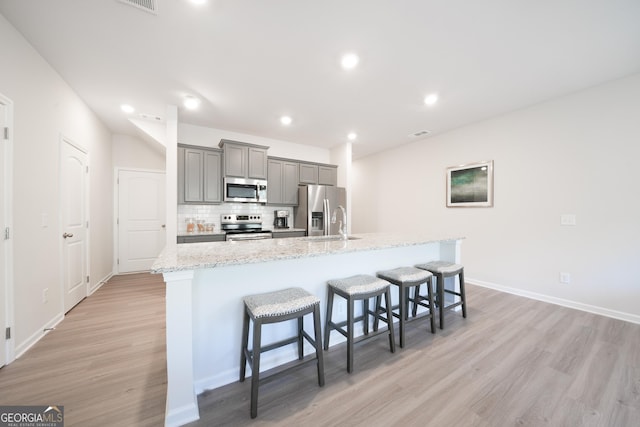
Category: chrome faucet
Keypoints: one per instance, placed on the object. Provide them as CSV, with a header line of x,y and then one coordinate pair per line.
x,y
343,223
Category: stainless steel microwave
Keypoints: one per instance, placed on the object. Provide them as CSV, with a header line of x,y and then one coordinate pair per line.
x,y
245,190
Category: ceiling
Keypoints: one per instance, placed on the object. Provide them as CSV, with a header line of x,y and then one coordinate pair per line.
x,y
252,61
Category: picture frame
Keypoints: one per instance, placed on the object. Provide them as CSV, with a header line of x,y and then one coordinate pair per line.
x,y
470,185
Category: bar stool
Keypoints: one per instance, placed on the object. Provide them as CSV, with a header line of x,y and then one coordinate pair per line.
x,y
406,278
273,307
354,288
442,270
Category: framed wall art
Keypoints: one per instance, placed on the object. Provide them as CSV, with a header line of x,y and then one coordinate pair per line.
x,y
470,185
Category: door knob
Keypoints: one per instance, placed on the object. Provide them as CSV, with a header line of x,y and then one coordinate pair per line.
x,y
65,235
164,225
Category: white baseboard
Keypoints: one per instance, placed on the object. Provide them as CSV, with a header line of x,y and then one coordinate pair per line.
x,y
628,317
37,336
181,416
98,285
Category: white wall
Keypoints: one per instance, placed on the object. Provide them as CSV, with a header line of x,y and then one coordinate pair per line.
x,y
573,155
44,109
132,152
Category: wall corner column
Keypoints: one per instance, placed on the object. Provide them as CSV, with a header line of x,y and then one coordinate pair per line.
x,y
182,401
171,170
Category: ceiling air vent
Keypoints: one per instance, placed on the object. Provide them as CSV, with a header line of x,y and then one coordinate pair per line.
x,y
150,117
150,6
420,133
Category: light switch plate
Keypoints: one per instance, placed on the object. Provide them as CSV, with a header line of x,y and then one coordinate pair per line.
x,y
568,219
565,278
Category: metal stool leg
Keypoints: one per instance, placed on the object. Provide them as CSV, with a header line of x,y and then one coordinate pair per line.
x,y
327,326
244,346
255,367
462,295
392,338
318,339
350,309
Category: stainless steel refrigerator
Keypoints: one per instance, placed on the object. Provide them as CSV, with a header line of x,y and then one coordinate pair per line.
x,y
316,204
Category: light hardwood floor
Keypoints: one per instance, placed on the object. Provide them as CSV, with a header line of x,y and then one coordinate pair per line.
x,y
513,361
105,362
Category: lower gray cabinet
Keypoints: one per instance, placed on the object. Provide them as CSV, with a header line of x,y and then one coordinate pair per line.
x,y
202,238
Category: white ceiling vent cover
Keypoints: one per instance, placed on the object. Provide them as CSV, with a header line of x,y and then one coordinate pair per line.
x,y
420,133
150,6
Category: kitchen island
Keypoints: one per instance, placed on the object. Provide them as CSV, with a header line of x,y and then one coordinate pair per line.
x,y
205,283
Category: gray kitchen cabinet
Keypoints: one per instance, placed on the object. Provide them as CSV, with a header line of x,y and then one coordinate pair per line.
x,y
212,176
286,234
290,183
202,238
235,160
199,175
257,163
193,175
274,181
308,173
244,160
328,175
282,188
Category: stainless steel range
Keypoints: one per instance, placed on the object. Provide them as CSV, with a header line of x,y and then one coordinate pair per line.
x,y
243,227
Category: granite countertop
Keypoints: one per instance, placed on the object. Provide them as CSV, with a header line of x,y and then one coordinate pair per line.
x,y
218,254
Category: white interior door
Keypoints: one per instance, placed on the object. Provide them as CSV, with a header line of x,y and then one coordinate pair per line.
x,y
141,219
74,197
3,238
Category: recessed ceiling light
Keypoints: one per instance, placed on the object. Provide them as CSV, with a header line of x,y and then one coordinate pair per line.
x,y
349,61
127,108
431,99
198,1
191,102
285,120
352,136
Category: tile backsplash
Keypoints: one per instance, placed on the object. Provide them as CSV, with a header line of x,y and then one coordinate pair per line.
x,y
211,213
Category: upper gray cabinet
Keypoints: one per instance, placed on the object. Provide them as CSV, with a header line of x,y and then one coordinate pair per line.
x,y
327,175
283,182
311,173
244,160
308,173
199,175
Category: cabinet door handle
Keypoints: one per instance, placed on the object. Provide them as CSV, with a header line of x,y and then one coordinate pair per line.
x,y
65,235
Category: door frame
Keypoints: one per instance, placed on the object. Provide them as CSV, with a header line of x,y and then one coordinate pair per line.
x,y
116,211
7,206
66,140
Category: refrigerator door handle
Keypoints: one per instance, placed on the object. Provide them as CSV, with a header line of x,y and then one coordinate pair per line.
x,y
325,216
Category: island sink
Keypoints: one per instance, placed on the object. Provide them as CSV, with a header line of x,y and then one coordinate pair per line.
x,y
331,238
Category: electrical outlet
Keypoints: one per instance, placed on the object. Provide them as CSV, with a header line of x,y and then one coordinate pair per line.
x,y
565,278
45,295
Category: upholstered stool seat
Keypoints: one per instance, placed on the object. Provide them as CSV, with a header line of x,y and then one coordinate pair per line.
x,y
406,278
272,307
354,288
442,270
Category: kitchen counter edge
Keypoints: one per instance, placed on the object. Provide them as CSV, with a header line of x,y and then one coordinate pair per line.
x,y
197,256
